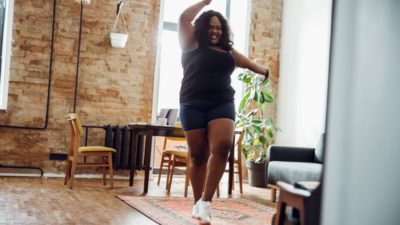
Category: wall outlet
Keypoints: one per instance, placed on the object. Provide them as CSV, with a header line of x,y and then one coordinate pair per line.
x,y
58,156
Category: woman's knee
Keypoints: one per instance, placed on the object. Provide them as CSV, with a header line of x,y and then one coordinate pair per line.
x,y
221,149
198,146
199,158
199,154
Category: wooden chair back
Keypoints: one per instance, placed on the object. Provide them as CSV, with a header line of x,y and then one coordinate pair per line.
x,y
74,118
75,151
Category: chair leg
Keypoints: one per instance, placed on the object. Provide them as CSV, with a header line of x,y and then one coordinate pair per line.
x,y
73,171
168,171
67,171
218,191
240,178
103,170
161,168
187,179
110,167
280,216
187,173
303,217
170,176
273,194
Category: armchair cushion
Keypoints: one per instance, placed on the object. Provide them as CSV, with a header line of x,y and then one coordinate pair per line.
x,y
292,172
294,164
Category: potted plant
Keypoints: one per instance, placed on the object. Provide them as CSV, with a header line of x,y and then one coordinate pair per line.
x,y
259,131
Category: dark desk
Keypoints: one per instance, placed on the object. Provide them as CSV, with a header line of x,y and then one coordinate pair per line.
x,y
149,131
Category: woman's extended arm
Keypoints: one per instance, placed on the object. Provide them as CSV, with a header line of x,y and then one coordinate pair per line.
x,y
244,62
186,31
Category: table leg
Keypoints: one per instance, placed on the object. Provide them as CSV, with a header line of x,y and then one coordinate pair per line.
x,y
147,155
134,151
231,162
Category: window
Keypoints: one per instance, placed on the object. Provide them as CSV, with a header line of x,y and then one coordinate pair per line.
x,y
6,13
169,67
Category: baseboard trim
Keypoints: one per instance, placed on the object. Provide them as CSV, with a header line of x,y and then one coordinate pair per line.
x,y
78,176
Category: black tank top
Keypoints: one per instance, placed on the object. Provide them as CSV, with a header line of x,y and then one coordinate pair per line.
x,y
207,75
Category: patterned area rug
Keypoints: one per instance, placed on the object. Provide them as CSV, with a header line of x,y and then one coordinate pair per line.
x,y
174,211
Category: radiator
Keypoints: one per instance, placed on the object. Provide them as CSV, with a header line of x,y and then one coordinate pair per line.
x,y
120,138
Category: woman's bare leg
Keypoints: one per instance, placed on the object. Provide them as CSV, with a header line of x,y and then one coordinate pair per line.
x,y
199,152
220,137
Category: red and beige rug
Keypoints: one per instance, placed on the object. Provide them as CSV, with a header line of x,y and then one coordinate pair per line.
x,y
175,211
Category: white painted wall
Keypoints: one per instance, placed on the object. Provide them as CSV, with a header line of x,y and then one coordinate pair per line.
x,y
362,164
303,71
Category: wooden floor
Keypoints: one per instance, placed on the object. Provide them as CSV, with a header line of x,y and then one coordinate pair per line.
x,y
33,200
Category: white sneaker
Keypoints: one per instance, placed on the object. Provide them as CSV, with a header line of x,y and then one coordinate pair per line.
x,y
204,212
195,210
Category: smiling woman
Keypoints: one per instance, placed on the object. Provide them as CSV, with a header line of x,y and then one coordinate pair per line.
x,y
169,70
207,109
215,31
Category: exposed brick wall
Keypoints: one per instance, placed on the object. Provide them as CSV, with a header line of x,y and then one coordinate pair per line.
x,y
264,41
115,86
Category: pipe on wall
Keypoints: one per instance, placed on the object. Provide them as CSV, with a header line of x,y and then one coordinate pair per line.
x,y
49,85
49,80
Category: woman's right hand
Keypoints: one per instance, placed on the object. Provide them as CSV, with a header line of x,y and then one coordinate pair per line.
x,y
207,2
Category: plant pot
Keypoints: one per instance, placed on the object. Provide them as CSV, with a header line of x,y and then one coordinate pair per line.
x,y
118,40
256,174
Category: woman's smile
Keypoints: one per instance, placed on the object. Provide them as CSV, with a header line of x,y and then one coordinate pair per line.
x,y
214,31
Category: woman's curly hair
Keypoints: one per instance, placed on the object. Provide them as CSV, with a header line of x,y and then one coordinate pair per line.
x,y
201,27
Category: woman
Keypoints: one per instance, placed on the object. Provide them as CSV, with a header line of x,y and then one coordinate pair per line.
x,y
207,110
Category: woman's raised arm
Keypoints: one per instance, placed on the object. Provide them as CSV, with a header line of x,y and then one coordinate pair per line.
x,y
186,30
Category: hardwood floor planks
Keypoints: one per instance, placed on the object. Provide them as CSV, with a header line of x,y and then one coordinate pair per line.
x,y
30,200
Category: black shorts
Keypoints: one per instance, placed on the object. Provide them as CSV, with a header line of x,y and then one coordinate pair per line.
x,y
196,114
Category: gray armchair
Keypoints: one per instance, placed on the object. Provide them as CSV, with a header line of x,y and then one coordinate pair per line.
x,y
293,164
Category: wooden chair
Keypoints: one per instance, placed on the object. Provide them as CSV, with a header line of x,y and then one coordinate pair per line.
x,y
304,197
172,158
76,152
237,163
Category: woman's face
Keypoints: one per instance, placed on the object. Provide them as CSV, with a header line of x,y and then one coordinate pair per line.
x,y
214,31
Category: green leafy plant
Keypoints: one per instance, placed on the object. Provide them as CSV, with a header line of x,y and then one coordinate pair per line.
x,y
259,132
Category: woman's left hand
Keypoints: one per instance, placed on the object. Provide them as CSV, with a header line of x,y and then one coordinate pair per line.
x,y
265,75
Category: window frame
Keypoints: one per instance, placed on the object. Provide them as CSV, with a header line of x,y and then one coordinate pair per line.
x,y
6,53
